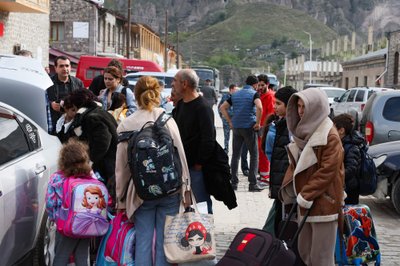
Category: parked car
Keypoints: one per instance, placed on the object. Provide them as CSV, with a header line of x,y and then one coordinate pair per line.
x,y
387,160
332,93
166,77
380,121
353,101
28,156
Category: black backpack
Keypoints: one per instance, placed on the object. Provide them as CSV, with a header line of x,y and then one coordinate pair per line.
x,y
153,159
368,179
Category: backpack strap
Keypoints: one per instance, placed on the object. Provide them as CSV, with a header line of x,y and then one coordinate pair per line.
x,y
162,120
126,135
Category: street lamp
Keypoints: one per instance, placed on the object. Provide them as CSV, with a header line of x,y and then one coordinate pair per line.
x,y
309,35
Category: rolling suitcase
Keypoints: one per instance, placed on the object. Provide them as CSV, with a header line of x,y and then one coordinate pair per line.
x,y
257,247
359,244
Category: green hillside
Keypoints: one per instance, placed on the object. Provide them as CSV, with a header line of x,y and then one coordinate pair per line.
x,y
247,27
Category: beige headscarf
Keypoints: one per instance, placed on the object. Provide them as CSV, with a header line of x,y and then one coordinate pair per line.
x,y
316,110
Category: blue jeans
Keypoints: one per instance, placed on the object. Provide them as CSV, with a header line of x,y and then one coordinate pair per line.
x,y
199,189
65,246
249,137
149,216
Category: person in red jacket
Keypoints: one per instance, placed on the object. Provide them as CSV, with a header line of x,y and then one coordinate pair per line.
x,y
267,97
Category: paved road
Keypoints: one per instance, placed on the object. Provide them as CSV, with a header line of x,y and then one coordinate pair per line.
x,y
253,208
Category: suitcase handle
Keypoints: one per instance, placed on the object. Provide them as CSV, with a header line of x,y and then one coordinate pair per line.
x,y
300,227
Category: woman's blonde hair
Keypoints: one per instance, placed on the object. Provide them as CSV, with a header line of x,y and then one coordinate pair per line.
x,y
147,93
74,158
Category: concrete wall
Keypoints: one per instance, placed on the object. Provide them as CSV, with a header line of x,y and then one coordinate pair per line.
x,y
29,30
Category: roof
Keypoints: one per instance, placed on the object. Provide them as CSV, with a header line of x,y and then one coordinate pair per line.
x,y
314,66
325,66
372,55
55,52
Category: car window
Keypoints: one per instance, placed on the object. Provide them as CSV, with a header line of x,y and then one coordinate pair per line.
x,y
344,96
351,96
360,96
13,142
391,111
370,93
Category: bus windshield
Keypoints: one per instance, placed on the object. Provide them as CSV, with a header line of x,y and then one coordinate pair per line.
x,y
205,74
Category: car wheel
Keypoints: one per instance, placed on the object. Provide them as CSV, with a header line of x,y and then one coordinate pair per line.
x,y
395,196
44,249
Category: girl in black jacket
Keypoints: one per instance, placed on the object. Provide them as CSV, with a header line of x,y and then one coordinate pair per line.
x,y
351,140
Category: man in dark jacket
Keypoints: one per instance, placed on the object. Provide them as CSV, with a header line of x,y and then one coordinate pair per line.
x,y
64,84
351,140
195,120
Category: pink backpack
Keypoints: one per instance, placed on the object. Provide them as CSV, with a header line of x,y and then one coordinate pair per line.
x,y
118,246
83,213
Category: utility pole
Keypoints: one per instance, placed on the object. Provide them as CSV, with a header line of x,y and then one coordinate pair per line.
x,y
166,42
128,32
309,35
177,47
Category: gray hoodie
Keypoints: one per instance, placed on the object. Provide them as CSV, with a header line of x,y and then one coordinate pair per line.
x,y
315,112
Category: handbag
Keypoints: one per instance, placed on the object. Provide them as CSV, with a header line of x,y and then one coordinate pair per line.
x,y
189,236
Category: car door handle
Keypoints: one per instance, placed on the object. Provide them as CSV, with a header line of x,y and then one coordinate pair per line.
x,y
40,169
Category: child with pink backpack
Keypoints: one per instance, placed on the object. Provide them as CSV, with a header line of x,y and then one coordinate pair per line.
x,y
77,202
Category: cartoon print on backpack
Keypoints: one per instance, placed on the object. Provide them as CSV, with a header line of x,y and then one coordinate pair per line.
x,y
93,199
197,237
89,205
149,164
361,241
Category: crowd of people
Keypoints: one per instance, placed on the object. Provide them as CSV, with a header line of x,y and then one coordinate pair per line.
x,y
295,150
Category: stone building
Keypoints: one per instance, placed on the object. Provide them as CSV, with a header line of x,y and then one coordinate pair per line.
x,y
392,73
83,27
24,25
366,70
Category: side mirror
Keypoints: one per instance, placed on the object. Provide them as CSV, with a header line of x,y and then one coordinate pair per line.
x,y
336,99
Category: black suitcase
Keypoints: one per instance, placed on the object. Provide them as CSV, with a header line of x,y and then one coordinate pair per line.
x,y
256,247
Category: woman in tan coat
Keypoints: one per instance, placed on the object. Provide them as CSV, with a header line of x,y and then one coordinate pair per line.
x,y
148,214
315,177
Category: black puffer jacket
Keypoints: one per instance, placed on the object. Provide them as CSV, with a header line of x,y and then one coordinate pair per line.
x,y
99,129
352,161
279,158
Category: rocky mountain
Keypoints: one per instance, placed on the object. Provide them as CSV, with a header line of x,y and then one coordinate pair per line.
x,y
237,34
343,16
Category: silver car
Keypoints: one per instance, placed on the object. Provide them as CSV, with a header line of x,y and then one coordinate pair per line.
x,y
380,120
28,156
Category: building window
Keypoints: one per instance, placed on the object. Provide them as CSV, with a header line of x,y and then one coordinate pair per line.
x,y
365,81
113,40
396,69
356,82
377,81
108,34
99,30
346,83
56,31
